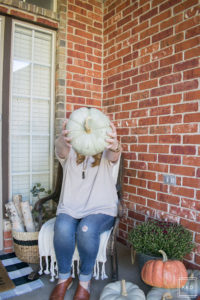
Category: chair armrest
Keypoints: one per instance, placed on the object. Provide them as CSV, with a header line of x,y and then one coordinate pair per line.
x,y
38,205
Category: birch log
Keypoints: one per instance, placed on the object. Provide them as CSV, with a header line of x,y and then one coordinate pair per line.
x,y
17,224
17,199
28,219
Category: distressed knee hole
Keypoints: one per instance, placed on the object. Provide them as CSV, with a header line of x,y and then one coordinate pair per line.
x,y
84,228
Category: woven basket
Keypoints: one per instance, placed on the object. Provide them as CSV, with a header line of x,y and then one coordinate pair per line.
x,y
26,246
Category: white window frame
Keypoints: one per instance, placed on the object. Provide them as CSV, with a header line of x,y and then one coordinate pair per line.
x,y
2,20
54,5
52,100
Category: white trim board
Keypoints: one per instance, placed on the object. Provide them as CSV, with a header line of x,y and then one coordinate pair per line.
x,y
1,74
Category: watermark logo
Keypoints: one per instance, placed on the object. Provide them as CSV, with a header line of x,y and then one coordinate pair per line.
x,y
190,288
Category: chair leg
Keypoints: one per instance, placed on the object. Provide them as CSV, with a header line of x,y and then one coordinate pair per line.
x,y
35,274
114,265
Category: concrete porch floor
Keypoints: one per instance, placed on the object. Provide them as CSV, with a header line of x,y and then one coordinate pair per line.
x,y
127,271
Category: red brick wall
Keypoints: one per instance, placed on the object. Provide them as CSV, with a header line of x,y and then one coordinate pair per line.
x,y
151,71
84,54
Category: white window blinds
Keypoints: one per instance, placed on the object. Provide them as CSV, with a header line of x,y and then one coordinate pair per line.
x,y
31,130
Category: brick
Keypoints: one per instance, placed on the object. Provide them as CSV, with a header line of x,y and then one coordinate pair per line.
x,y
129,189
7,235
191,161
149,14
171,21
162,53
188,44
146,193
46,22
138,148
130,73
159,149
3,9
147,157
168,4
136,216
187,85
150,49
130,89
190,74
141,44
170,60
165,110
161,35
123,83
191,182
192,53
182,170
168,198
182,191
129,106
148,103
187,24
187,150
158,167
187,107
137,182
186,65
84,5
147,121
130,56
157,205
170,79
148,84
194,95
170,99
193,139
190,225
160,17
169,159
161,91
147,139
141,10
182,212
124,21
192,204
149,67
185,128
141,61
22,15
183,6
139,28
7,243
149,32
173,40
157,186
147,175
195,117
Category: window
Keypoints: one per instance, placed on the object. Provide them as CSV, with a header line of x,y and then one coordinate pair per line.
x,y
48,4
32,98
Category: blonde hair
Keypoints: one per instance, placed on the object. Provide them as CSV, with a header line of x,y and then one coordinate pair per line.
x,y
97,158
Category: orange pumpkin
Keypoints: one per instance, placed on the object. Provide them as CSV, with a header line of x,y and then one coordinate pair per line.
x,y
164,273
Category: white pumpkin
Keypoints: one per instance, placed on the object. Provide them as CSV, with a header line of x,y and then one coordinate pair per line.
x,y
119,290
88,129
165,294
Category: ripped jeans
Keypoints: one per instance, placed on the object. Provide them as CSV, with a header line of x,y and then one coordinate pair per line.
x,y
86,233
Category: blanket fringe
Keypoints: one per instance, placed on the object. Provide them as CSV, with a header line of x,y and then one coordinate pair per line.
x,y
98,271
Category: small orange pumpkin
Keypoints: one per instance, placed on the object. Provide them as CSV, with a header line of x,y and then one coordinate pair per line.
x,y
164,273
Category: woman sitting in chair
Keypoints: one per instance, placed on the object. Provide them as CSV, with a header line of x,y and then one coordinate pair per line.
x,y
87,207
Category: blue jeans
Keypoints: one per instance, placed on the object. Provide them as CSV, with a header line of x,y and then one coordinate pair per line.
x,y
86,233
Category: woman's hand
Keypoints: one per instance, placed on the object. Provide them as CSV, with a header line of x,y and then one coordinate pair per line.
x,y
62,144
112,141
64,134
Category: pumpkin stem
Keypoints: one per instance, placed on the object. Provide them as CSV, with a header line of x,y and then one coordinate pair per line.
x,y
166,295
124,292
164,255
87,128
